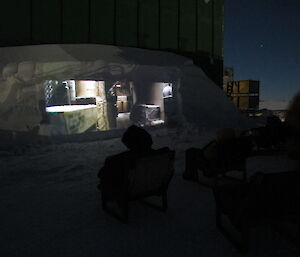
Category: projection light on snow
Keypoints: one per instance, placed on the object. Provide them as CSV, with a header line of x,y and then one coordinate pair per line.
x,y
77,106
67,108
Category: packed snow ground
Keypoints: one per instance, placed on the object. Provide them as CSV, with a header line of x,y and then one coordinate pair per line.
x,y
50,206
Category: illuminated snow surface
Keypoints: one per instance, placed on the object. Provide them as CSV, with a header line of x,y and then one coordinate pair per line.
x,y
50,206
69,108
24,70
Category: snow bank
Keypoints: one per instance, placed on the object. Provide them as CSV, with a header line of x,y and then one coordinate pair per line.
x,y
23,70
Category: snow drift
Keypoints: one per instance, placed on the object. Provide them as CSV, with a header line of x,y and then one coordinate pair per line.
x,y
23,70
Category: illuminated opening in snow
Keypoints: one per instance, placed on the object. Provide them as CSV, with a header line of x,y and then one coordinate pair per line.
x,y
77,106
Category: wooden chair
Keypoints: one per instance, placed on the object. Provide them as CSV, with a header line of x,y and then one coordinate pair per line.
x,y
150,177
219,158
250,205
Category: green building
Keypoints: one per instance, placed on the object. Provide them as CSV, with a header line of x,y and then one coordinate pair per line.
x,y
193,28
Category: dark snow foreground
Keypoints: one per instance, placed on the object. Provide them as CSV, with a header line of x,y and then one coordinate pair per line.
x,y
50,206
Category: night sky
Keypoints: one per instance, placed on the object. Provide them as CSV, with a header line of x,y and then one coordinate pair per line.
x,y
262,42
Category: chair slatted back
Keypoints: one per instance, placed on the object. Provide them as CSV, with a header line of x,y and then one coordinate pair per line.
x,y
151,174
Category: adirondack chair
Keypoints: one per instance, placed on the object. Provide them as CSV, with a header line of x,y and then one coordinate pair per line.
x,y
213,162
271,198
149,177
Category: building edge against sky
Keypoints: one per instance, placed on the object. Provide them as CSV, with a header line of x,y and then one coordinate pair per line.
x,y
193,28
190,28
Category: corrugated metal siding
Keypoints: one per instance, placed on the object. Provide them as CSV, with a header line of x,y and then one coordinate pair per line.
x,y
15,22
169,24
126,23
193,28
75,21
148,24
102,21
218,18
196,26
205,35
49,11
187,29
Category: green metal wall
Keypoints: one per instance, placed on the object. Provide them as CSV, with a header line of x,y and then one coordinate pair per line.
x,y
190,27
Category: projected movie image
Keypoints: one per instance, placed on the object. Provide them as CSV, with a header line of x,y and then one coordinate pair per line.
x,y
78,106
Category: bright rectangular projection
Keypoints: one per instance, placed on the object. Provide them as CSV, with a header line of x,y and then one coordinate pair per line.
x,y
78,106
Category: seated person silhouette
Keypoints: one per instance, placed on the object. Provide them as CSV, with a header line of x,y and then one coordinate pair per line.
x,y
220,155
114,172
271,136
293,128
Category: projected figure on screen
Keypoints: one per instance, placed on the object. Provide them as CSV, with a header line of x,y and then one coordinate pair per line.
x,y
112,110
167,91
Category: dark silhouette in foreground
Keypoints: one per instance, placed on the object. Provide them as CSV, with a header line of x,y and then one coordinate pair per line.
x,y
139,143
266,199
218,157
293,125
135,174
269,138
230,152
271,198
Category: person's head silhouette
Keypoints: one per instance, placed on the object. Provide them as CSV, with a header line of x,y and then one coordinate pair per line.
x,y
137,139
293,113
